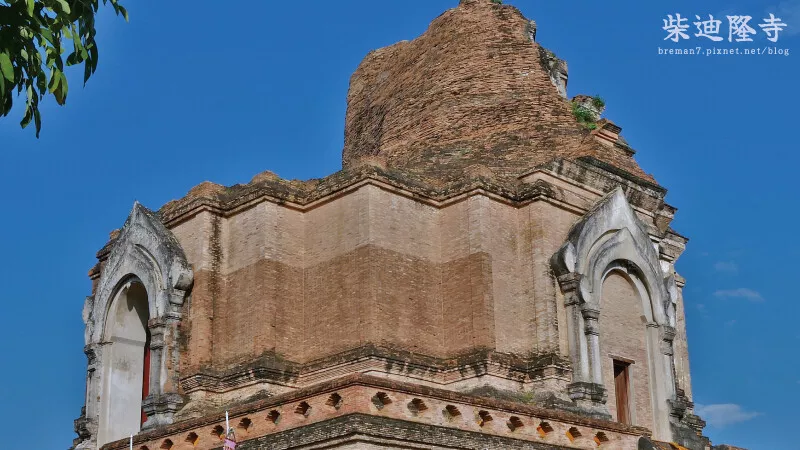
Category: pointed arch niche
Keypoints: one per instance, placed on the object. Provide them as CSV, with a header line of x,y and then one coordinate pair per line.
x,y
132,324
126,362
611,241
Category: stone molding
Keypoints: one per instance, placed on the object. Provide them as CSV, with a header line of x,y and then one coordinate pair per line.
x,y
513,190
590,398
530,371
355,397
162,408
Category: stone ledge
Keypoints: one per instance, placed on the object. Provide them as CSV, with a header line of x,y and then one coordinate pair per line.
x,y
305,195
441,371
356,394
391,433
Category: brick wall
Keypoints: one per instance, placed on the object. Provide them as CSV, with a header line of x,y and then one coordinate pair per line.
x,y
368,267
473,89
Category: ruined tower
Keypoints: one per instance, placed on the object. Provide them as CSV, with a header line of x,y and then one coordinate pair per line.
x,y
486,271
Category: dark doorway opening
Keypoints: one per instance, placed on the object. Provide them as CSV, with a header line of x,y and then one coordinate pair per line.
x,y
146,374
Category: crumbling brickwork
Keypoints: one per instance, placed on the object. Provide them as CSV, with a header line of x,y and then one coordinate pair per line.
x,y
474,89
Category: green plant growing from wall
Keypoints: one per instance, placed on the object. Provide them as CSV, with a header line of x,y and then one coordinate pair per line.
x,y
584,116
598,102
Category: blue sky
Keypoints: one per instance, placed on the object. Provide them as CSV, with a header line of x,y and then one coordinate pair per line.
x,y
220,93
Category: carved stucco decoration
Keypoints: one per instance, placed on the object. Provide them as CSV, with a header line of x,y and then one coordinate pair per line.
x,y
148,252
146,249
610,237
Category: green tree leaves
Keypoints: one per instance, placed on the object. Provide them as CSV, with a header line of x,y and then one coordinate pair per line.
x,y
58,86
64,6
6,67
34,35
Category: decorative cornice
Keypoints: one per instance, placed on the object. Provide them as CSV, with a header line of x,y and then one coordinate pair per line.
x,y
440,371
513,190
383,385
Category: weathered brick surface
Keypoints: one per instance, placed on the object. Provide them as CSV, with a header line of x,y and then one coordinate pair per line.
x,y
199,313
376,267
471,90
260,311
368,295
548,228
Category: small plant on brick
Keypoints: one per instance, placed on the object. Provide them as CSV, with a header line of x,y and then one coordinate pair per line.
x,y
526,397
584,116
598,102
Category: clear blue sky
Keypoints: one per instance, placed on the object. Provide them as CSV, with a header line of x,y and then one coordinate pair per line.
x,y
223,91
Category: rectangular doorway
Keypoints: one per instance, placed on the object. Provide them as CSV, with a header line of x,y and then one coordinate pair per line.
x,y
622,388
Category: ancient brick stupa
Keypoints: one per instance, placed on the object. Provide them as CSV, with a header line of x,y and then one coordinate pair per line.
x,y
491,269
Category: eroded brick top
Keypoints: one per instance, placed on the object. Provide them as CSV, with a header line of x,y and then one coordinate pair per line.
x,y
473,93
470,103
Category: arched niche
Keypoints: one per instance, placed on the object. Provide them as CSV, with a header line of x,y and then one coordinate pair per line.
x,y
628,338
144,258
126,362
610,238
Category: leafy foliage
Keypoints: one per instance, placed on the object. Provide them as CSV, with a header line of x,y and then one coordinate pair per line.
x,y
497,2
583,114
32,35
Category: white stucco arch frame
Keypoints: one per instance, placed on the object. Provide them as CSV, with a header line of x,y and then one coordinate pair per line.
x,y
148,252
611,237
123,360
